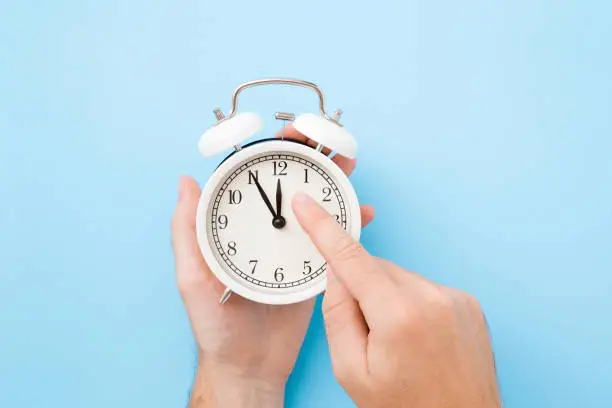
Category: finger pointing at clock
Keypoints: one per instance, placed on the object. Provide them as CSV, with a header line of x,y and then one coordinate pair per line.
x,y
395,338
351,264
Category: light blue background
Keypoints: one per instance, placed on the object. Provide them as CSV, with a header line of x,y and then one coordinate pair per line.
x,y
485,132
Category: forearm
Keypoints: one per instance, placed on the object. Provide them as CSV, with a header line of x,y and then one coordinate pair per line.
x,y
227,388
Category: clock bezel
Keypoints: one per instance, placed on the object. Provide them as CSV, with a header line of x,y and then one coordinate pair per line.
x,y
226,167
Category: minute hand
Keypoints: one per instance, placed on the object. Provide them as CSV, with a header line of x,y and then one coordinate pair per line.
x,y
279,199
265,197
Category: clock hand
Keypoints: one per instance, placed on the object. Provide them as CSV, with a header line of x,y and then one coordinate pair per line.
x,y
264,196
278,221
279,198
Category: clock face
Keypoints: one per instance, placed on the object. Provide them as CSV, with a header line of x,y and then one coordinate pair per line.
x,y
251,231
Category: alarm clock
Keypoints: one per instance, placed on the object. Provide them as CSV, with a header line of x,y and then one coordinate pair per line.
x,y
246,229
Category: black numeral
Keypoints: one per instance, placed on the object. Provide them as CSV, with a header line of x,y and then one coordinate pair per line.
x,y
253,176
305,175
231,248
280,168
222,220
327,194
337,217
278,275
253,262
235,196
307,268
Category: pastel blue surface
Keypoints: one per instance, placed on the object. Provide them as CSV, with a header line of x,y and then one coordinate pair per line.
x,y
485,135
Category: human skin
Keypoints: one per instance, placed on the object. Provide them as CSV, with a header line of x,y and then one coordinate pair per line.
x,y
397,339
246,350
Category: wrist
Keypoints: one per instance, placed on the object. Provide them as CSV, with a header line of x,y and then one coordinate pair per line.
x,y
220,385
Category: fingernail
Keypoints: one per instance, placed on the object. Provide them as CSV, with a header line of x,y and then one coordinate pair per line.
x,y
302,198
182,188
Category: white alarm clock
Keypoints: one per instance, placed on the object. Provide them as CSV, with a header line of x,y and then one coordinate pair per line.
x,y
246,229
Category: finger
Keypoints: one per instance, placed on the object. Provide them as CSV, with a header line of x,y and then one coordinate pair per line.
x,y
353,266
289,132
346,329
190,265
347,165
367,215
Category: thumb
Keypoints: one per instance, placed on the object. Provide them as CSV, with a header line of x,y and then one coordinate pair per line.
x,y
345,326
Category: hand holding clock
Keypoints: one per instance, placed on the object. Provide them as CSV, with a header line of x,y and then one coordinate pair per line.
x,y
396,339
246,350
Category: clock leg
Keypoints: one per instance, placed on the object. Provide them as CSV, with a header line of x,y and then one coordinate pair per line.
x,y
225,296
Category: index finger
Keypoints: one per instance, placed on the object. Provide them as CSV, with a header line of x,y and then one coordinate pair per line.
x,y
354,267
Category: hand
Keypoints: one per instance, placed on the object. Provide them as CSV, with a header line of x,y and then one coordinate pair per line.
x,y
395,338
246,350
279,199
278,221
263,195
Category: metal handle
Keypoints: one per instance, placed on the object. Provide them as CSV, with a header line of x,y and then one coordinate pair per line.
x,y
280,81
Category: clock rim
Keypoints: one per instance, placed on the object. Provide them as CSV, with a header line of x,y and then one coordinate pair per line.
x,y
222,171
